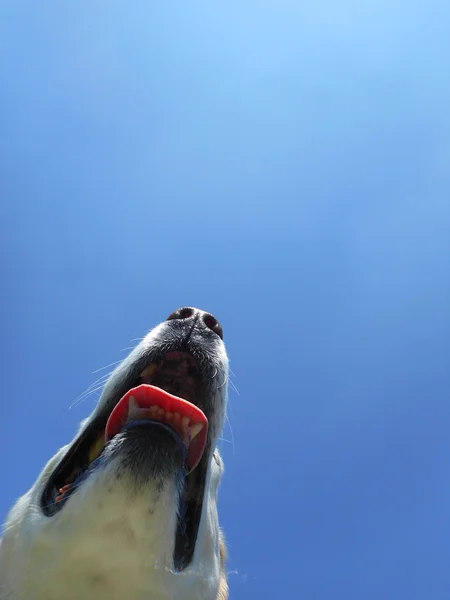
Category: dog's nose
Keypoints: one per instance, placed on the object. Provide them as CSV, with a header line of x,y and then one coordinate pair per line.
x,y
200,316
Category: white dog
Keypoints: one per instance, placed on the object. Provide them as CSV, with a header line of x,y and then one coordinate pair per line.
x,y
128,510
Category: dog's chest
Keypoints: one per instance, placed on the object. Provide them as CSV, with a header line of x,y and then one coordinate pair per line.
x,y
91,583
142,581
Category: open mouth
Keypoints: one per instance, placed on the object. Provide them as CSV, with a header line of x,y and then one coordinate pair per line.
x,y
163,396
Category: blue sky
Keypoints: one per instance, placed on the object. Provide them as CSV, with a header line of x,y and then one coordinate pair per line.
x,y
286,166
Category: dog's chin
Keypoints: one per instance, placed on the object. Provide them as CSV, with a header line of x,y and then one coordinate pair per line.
x,y
147,453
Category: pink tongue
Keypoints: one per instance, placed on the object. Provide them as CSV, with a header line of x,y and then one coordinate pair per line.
x,y
146,396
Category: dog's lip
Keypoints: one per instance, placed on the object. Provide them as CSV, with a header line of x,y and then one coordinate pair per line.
x,y
150,403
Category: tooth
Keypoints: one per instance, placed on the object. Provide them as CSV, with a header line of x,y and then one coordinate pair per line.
x,y
176,417
195,429
161,412
169,416
133,408
149,371
154,410
185,422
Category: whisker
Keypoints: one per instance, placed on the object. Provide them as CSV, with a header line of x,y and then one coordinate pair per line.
x,y
126,350
113,364
232,434
85,395
100,386
232,385
234,388
101,379
221,439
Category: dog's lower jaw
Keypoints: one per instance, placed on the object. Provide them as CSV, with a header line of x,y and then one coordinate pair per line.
x,y
115,541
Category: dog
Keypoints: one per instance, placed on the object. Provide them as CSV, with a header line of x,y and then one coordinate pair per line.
x,y
128,509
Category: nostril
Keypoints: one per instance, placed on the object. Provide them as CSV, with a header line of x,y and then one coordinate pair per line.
x,y
209,321
207,318
181,313
213,324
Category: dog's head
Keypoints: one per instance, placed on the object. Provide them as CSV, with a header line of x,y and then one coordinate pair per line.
x,y
131,503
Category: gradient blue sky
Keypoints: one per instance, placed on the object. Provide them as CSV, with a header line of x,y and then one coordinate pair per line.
x,y
285,165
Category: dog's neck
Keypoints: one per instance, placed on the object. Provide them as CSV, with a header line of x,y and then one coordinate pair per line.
x,y
120,549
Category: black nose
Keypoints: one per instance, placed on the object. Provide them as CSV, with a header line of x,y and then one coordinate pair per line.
x,y
198,315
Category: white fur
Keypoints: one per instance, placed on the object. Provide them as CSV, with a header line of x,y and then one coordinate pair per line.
x,y
112,540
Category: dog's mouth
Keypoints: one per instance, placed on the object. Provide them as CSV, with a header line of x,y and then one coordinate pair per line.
x,y
167,394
